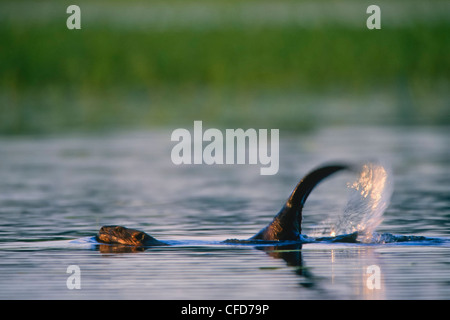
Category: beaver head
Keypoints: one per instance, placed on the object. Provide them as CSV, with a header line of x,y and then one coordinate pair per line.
x,y
126,236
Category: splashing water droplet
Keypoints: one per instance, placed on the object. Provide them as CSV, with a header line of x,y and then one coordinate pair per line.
x,y
369,197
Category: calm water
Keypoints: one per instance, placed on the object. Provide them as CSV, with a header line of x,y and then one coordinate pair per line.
x,y
56,192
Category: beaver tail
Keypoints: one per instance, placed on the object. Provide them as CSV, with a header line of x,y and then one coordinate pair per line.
x,y
287,223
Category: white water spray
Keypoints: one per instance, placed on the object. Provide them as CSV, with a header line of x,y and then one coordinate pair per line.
x,y
370,195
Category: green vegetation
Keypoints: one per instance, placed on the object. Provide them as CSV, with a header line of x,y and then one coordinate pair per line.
x,y
53,79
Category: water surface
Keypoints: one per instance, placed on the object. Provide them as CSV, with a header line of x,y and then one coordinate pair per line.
x,y
56,192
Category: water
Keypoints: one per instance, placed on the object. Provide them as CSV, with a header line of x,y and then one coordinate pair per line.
x,y
56,192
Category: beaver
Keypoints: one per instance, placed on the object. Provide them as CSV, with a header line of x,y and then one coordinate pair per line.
x,y
285,226
126,236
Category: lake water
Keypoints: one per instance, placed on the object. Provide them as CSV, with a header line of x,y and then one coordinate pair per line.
x,y
56,192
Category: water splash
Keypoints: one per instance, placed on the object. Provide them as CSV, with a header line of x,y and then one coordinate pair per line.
x,y
369,197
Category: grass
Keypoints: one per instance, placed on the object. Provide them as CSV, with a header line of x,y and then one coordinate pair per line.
x,y
283,57
52,79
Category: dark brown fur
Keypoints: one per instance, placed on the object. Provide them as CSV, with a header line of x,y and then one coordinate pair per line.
x,y
126,236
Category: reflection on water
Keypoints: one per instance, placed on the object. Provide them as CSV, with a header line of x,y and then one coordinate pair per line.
x,y
54,190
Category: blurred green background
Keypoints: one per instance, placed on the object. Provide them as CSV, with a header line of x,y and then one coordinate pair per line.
x,y
293,65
